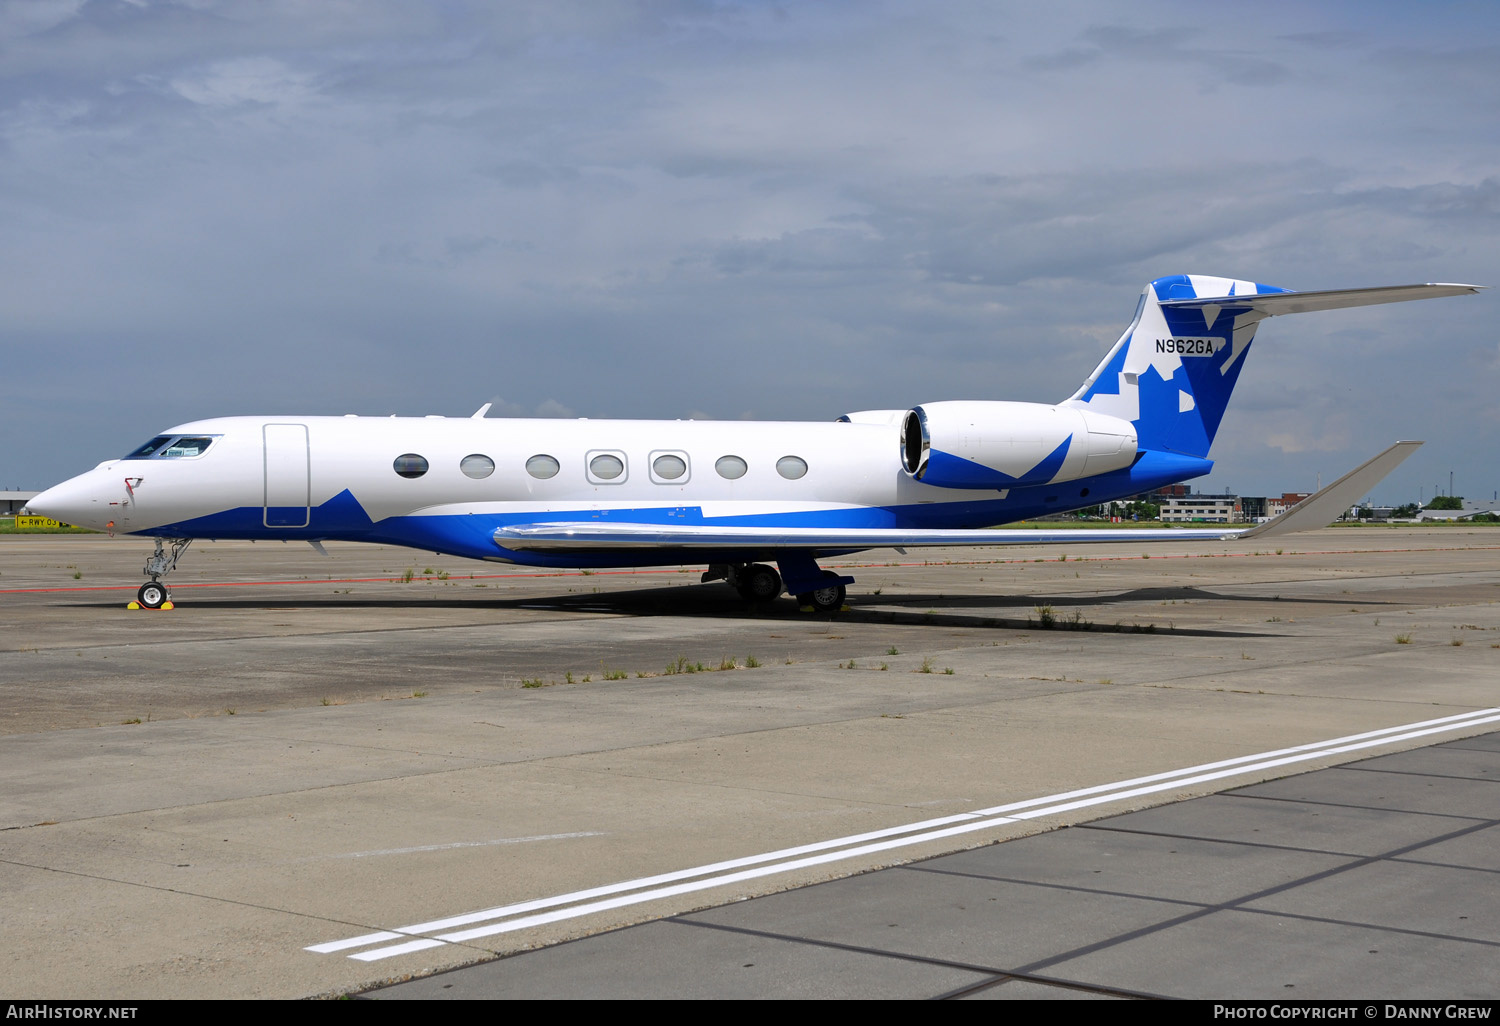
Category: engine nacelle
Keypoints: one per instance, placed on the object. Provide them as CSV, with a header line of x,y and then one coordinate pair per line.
x,y
1003,445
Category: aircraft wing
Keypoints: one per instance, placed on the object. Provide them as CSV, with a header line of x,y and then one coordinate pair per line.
x,y
594,535
1317,510
1270,304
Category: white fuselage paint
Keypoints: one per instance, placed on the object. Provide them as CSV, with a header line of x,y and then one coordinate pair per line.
x,y
255,462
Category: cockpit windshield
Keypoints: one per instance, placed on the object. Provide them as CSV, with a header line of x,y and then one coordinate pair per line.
x,y
150,447
187,447
173,446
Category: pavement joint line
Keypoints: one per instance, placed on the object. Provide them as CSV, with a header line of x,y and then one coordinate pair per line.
x,y
179,891
1049,981
1240,842
1046,885
1417,773
1360,924
999,975
1446,865
652,889
1213,906
1238,904
818,942
1347,805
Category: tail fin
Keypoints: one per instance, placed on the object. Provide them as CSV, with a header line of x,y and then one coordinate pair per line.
x,y
1172,371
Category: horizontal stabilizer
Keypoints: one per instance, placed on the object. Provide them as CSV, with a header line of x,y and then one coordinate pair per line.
x,y
1270,304
1326,505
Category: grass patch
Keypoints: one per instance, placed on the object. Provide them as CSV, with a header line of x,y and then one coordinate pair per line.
x,y
8,526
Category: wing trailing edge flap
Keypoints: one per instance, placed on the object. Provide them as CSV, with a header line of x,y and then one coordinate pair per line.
x,y
1317,510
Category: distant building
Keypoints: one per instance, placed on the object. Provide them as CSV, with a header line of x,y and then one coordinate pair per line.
x,y
12,502
1254,508
1277,505
1470,509
1364,511
1205,509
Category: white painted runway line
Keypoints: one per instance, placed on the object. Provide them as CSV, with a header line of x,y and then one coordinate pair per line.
x,y
575,904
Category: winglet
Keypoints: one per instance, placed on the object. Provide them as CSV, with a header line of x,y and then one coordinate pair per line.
x,y
1324,506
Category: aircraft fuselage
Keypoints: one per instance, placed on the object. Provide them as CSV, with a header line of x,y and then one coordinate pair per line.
x,y
362,479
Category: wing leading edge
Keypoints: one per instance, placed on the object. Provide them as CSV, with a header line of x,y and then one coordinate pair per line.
x,y
1315,511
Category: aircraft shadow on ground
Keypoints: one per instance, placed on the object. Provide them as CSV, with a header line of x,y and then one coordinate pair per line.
x,y
1020,612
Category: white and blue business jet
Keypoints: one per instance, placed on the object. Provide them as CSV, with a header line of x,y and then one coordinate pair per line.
x,y
738,497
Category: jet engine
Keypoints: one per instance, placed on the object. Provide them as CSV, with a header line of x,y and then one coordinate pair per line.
x,y
1003,445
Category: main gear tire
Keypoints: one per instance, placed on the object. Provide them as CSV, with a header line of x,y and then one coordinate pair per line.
x,y
759,583
828,599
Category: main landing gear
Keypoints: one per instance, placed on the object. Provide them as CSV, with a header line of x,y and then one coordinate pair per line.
x,y
817,590
154,594
827,599
755,582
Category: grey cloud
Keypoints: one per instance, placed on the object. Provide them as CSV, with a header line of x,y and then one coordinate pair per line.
x,y
1164,45
674,208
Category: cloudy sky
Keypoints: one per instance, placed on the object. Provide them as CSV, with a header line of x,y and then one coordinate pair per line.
x,y
737,210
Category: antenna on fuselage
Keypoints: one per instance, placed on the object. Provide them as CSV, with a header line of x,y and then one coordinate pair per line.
x,y
479,413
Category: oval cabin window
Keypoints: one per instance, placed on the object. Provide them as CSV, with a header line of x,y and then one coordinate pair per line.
x,y
606,467
477,466
791,467
410,465
669,468
542,467
731,468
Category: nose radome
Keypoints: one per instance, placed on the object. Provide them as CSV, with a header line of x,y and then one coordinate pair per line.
x,y
78,501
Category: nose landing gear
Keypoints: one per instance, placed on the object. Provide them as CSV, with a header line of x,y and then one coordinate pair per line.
x,y
154,594
151,595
